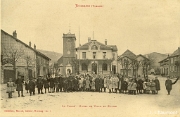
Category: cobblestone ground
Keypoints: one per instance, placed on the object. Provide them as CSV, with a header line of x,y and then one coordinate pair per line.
x,y
93,104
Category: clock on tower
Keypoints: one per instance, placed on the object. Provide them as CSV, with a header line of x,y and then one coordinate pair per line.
x,y
69,52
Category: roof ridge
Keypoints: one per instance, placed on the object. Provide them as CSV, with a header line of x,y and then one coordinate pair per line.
x,y
25,44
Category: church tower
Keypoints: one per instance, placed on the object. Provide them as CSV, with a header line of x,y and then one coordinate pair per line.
x,y
69,53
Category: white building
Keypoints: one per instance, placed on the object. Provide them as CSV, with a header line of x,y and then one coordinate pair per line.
x,y
97,57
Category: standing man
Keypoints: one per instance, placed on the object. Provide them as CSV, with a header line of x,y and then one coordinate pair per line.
x,y
40,85
56,83
105,83
169,84
31,87
101,84
51,84
97,84
157,84
60,83
19,82
116,83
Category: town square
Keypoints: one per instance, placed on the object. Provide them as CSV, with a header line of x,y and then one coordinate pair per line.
x,y
90,58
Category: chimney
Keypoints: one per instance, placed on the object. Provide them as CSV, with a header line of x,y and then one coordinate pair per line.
x,y
15,34
89,39
34,46
30,44
105,41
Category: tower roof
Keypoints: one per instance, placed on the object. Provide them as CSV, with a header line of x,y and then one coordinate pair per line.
x,y
69,35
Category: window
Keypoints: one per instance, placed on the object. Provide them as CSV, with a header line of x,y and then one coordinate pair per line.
x,y
94,55
94,47
175,58
175,68
104,67
113,55
84,66
171,60
104,55
172,69
83,55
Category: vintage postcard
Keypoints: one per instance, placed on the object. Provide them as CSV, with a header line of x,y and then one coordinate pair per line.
x,y
90,58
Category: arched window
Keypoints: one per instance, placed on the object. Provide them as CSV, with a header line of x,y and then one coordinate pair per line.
x,y
104,67
84,66
68,71
94,47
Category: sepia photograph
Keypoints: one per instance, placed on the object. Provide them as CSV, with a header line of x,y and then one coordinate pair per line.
x,y
90,58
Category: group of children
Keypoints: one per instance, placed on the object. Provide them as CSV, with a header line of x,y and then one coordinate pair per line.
x,y
143,86
94,83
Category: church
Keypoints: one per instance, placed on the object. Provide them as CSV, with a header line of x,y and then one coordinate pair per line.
x,y
91,57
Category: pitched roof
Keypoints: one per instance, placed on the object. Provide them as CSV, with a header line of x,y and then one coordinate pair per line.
x,y
142,56
102,46
163,60
114,47
2,31
175,53
60,60
128,54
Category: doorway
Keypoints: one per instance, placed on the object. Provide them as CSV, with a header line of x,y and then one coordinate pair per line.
x,y
94,68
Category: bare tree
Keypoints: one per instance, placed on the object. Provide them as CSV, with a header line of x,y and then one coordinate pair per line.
x,y
55,66
76,65
29,61
126,65
145,64
12,54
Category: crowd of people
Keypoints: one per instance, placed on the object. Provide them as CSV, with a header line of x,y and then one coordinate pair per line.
x,y
87,83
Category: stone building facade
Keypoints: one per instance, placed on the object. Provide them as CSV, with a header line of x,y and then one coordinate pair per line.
x,y
18,58
170,66
130,65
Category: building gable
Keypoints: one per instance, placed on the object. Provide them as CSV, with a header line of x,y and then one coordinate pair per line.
x,y
100,46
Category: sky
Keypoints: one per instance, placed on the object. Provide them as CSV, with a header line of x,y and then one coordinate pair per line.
x,y
142,26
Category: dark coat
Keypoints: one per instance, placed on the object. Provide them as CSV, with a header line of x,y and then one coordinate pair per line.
x,y
124,85
65,83
27,85
39,83
75,83
46,84
97,80
31,85
84,83
19,82
169,84
60,81
157,84
101,83
56,82
51,81
70,82
140,84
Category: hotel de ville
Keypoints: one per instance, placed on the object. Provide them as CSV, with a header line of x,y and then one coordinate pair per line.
x,y
91,57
